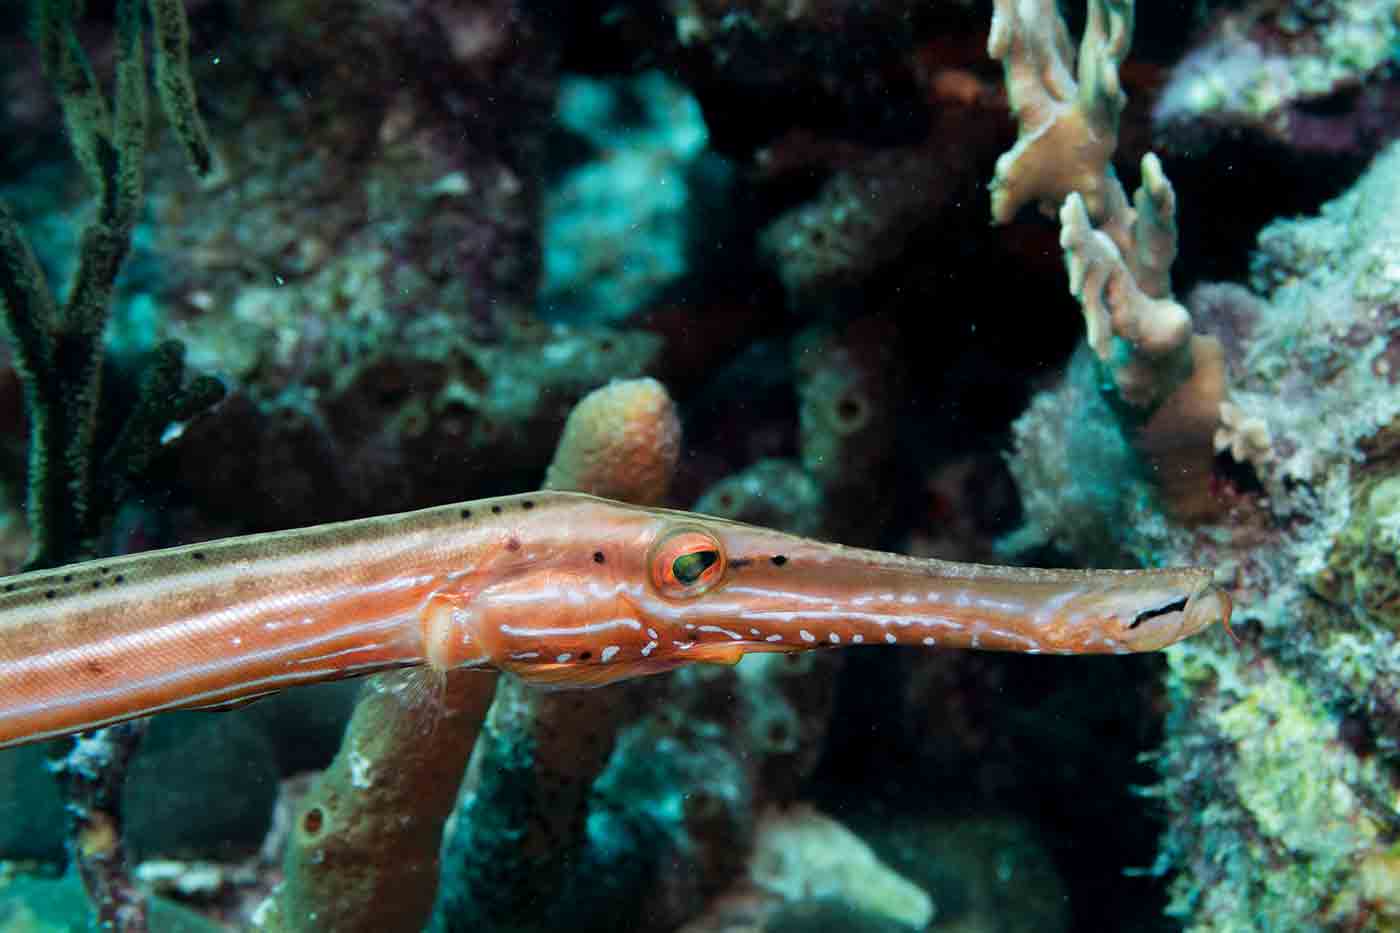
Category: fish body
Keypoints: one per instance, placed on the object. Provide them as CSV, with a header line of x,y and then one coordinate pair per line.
x,y
557,588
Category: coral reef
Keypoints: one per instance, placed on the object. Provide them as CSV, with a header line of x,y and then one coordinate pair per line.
x,y
1277,818
439,244
624,226
364,278
1311,76
1277,759
1287,740
845,379
1168,381
862,217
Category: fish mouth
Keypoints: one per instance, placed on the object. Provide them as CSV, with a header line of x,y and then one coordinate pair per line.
x,y
1160,626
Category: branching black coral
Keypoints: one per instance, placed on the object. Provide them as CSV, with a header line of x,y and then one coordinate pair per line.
x,y
58,346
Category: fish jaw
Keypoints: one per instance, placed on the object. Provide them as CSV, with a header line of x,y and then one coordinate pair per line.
x,y
1204,607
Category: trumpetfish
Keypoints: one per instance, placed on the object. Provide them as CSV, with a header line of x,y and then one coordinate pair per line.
x,y
558,588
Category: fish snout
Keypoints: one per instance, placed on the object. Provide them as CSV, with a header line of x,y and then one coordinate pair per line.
x,y
1155,629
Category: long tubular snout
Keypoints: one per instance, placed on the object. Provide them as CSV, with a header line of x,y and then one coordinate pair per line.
x,y
794,592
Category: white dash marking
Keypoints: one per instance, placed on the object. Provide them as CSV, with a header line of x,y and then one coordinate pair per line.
x,y
650,647
928,642
524,655
807,636
834,638
570,631
774,638
563,658
889,637
651,633
608,653
857,639
1014,636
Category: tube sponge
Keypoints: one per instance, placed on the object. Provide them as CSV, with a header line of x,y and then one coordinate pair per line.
x,y
621,441
521,825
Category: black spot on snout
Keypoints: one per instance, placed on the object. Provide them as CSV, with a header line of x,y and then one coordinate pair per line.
x,y
1174,606
779,560
598,557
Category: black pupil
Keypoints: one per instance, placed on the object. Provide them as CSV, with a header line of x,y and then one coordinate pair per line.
x,y
690,567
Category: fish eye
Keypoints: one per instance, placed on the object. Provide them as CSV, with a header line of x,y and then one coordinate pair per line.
x,y
686,562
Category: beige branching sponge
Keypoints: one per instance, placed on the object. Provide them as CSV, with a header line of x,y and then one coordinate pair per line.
x,y
1156,329
1068,127
1119,252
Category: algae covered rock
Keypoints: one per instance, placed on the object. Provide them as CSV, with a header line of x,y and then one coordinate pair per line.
x,y
1278,770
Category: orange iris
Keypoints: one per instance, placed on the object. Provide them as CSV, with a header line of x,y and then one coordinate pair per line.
x,y
686,562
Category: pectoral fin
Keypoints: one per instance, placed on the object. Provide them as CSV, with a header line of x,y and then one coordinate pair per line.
x,y
588,674
717,654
